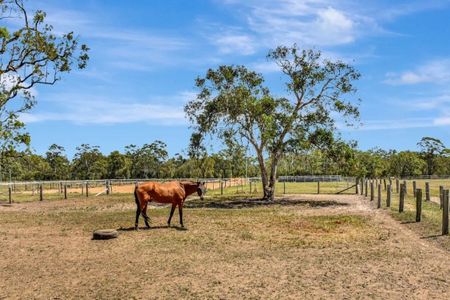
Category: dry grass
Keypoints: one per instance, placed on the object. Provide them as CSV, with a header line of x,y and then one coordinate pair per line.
x,y
305,246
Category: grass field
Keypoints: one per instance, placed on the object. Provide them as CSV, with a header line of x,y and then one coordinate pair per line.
x,y
320,246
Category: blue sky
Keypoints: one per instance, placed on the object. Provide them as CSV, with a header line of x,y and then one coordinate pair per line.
x,y
145,56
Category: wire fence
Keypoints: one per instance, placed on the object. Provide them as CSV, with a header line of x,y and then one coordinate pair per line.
x,y
76,189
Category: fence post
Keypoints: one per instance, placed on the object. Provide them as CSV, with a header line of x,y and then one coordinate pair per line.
x,y
371,191
414,188
401,202
441,196
60,187
418,204
41,197
318,187
65,191
384,183
221,187
379,196
87,189
427,191
107,187
445,213
357,186
250,186
284,187
397,185
388,196
9,194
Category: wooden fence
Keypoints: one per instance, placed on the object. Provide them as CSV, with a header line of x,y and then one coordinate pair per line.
x,y
367,190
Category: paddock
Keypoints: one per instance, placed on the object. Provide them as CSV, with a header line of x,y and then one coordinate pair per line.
x,y
320,246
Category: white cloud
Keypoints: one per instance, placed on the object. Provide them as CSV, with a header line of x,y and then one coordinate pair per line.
x,y
265,67
436,71
161,110
239,44
308,23
124,48
428,103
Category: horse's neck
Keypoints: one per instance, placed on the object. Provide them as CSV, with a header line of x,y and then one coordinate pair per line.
x,y
189,188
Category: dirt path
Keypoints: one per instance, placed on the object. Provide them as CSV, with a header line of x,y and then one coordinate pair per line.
x,y
304,246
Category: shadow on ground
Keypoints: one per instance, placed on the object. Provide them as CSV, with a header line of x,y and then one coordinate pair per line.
x,y
152,228
249,203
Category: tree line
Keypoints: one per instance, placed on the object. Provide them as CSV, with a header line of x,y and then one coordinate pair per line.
x,y
152,161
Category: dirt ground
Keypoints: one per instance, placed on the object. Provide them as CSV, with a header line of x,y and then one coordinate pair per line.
x,y
316,246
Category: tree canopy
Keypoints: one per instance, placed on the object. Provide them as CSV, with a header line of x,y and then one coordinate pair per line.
x,y
234,100
31,55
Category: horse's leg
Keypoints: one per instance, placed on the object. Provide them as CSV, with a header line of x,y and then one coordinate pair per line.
x,y
138,210
180,210
172,210
146,218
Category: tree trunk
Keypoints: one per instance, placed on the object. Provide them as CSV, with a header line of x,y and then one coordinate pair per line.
x,y
269,182
264,178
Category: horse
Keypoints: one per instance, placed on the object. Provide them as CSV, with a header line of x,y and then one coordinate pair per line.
x,y
174,192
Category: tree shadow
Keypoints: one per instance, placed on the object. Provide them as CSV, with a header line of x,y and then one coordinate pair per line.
x,y
434,236
408,222
249,203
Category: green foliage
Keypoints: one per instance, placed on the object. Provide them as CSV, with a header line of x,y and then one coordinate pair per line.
x,y
430,148
31,55
146,162
58,163
89,163
406,163
117,165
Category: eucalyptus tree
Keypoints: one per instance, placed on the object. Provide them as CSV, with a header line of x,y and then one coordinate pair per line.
x,y
117,165
406,163
58,162
430,148
89,163
235,99
31,54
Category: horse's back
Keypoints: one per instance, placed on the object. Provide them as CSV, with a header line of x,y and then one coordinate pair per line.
x,y
166,192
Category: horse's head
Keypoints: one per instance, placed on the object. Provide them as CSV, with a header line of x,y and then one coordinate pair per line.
x,y
201,189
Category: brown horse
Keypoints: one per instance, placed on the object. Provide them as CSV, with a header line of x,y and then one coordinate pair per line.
x,y
174,192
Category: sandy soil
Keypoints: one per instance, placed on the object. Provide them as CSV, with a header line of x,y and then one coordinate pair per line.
x,y
241,250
